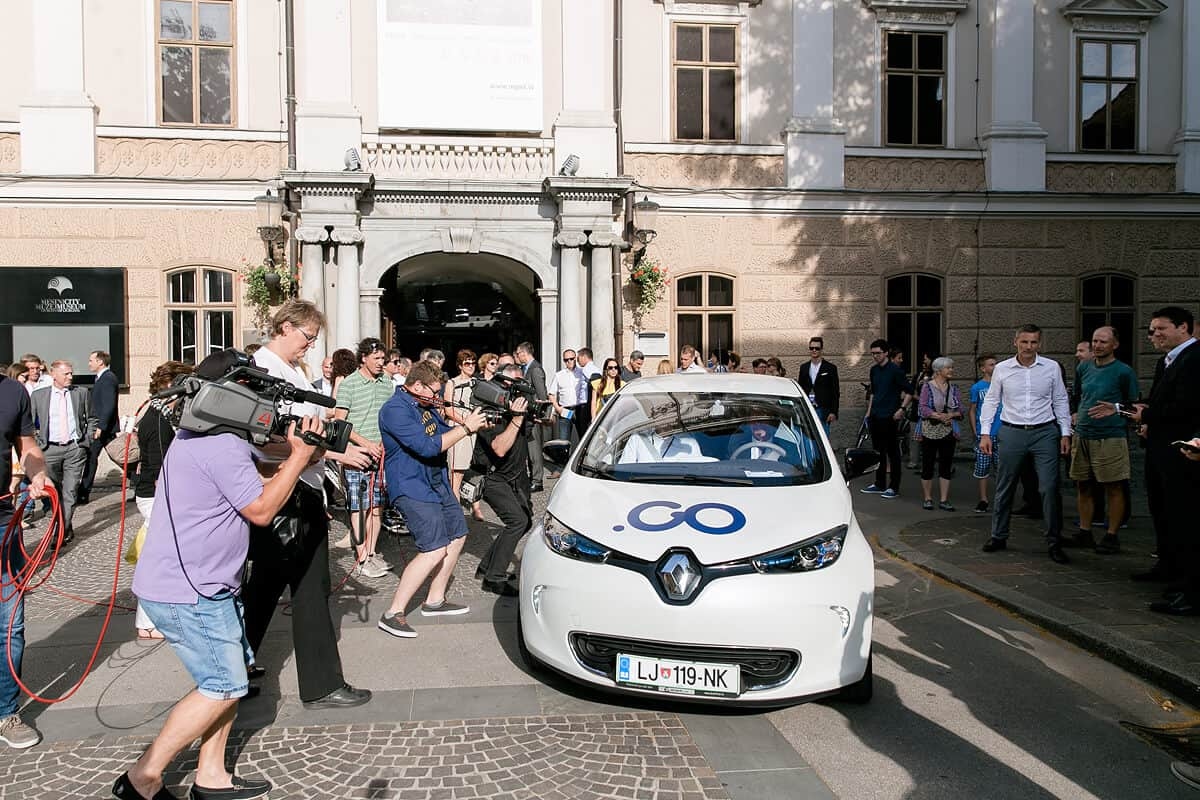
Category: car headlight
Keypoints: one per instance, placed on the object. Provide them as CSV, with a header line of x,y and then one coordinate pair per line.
x,y
572,544
816,552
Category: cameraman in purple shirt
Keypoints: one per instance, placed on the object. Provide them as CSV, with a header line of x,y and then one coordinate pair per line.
x,y
189,578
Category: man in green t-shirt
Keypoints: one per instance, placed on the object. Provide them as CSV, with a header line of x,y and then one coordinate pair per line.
x,y
1100,451
359,397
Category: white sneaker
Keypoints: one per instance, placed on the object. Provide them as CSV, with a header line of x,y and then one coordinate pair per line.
x,y
380,560
371,569
17,734
343,542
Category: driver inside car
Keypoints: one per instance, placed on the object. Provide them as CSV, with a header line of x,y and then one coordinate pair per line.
x,y
761,443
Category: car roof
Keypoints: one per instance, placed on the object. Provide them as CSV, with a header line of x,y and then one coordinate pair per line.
x,y
733,382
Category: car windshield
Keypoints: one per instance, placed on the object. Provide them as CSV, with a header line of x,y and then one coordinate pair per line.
x,y
718,438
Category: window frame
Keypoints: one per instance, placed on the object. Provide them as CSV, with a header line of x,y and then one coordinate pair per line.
x,y
1127,351
950,29
910,347
1140,130
704,310
673,66
200,307
916,73
195,44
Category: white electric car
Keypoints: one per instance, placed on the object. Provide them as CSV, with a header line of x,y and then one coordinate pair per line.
x,y
701,544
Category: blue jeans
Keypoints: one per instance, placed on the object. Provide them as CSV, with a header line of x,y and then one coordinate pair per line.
x,y
10,600
210,639
822,416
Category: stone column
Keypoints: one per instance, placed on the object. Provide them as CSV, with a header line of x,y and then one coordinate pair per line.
x,y
585,127
571,290
312,283
370,319
348,241
548,300
58,122
815,139
1016,144
1187,144
327,123
602,335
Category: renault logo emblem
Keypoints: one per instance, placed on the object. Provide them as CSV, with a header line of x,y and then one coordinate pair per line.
x,y
680,576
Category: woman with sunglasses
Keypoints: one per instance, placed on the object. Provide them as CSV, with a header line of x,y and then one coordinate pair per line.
x,y
605,385
458,399
488,365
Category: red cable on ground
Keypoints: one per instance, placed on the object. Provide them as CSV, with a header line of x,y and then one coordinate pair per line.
x,y
23,581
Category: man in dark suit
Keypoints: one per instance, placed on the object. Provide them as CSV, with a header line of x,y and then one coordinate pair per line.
x,y
64,423
819,380
535,374
1173,481
104,407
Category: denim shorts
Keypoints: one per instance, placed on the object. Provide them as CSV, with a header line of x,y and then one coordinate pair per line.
x,y
433,525
210,639
356,487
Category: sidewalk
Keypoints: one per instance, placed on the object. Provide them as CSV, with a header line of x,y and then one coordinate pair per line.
x,y
1091,602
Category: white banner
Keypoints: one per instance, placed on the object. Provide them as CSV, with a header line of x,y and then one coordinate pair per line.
x,y
463,65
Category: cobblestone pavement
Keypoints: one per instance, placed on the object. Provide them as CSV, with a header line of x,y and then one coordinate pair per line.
x,y
639,756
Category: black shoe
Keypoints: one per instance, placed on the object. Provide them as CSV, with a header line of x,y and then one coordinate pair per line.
x,y
123,790
993,544
502,588
1081,538
82,499
536,487
69,536
1180,606
345,697
1057,555
242,789
480,574
1109,545
255,672
1155,574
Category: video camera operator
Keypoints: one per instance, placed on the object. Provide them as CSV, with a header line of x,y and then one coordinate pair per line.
x,y
505,447
300,563
188,581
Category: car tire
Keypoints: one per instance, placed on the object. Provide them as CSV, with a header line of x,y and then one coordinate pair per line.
x,y
860,691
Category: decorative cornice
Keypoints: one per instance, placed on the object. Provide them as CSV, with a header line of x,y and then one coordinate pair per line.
x,y
935,12
188,158
1112,16
347,236
329,184
712,7
562,187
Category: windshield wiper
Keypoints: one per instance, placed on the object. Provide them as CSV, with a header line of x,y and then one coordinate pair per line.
x,y
594,472
720,480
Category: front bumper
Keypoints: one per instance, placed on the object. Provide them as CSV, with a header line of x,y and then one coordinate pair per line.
x,y
787,630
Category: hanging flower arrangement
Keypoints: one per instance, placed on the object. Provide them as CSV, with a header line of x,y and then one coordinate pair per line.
x,y
650,279
266,285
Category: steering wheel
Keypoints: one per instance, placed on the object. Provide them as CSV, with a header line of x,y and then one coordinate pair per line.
x,y
774,451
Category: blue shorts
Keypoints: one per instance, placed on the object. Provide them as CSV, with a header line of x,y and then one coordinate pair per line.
x,y
433,525
985,465
210,639
356,487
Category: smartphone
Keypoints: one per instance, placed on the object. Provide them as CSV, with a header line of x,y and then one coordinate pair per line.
x,y
1188,446
1125,413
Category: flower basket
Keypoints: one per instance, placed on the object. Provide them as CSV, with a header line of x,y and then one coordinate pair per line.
x,y
266,285
650,280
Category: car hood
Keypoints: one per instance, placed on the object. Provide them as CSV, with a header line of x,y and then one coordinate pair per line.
x,y
716,523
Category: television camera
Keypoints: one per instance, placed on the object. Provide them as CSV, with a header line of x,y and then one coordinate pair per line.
x,y
248,402
496,396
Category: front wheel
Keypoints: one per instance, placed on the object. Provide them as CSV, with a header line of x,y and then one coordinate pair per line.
x,y
862,690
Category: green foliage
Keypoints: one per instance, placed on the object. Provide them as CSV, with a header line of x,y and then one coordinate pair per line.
x,y
258,290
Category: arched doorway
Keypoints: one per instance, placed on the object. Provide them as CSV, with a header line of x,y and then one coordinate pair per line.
x,y
449,301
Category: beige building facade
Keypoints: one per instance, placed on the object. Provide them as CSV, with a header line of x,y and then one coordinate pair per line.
x,y
935,172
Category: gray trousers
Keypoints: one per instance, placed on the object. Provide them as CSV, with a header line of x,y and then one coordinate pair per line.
x,y
537,465
1012,445
64,466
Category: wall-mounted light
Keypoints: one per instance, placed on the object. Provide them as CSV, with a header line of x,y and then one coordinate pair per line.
x,y
645,216
269,209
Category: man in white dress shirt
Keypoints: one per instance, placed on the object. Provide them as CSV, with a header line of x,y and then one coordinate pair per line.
x,y
1035,421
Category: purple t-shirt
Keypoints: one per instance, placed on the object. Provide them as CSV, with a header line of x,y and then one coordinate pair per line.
x,y
205,480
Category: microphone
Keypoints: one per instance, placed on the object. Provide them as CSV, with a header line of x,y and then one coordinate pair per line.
x,y
316,398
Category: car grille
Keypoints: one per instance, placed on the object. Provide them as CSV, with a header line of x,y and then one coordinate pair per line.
x,y
762,668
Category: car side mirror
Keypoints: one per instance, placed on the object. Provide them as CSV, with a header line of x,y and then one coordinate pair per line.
x,y
859,461
557,451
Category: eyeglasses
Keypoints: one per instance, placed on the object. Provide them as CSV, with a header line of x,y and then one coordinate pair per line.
x,y
310,338
876,352
612,368
468,363
568,358
817,349
395,361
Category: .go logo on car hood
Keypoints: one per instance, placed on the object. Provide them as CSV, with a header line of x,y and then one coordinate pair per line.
x,y
721,519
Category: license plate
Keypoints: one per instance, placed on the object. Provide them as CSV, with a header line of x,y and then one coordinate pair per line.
x,y
679,677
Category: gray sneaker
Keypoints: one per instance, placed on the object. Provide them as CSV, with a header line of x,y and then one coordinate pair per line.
x,y
444,609
16,734
396,625
371,569
380,560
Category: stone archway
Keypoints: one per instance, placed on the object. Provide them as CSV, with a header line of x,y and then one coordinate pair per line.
x,y
450,301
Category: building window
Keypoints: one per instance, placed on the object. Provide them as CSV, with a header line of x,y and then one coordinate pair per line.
x,y
915,311
1107,93
200,310
705,75
914,88
1109,300
704,312
195,62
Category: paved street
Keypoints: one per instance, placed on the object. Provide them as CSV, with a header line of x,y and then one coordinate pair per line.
x,y
971,701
